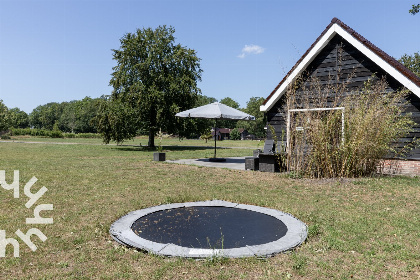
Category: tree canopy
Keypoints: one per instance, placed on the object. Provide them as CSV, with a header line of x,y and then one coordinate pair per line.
x,y
18,118
75,116
412,62
414,9
13,117
153,80
4,123
228,123
45,116
254,127
230,102
194,127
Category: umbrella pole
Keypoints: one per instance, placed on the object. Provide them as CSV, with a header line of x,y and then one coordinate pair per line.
x,y
215,136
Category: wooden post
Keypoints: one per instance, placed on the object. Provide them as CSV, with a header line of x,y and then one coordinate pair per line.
x,y
215,136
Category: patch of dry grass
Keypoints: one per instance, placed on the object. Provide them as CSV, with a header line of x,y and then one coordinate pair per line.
x,y
359,228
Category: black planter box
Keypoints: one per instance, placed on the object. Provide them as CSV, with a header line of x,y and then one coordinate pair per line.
x,y
269,163
251,163
159,156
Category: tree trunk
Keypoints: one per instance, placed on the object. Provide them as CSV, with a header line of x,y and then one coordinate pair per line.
x,y
152,126
151,138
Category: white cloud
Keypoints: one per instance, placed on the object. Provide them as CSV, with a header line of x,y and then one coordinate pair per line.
x,y
251,49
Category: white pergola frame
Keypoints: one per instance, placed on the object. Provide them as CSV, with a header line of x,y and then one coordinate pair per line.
x,y
314,109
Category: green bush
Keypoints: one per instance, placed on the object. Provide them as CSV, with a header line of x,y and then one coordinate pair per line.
x,y
56,134
20,131
88,135
50,133
235,134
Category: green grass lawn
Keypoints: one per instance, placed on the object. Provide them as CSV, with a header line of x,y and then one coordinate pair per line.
x,y
143,141
358,228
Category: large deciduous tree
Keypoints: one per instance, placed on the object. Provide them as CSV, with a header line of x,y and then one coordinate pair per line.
x,y
153,80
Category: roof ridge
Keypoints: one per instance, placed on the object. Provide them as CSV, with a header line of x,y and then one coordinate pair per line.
x,y
391,60
383,55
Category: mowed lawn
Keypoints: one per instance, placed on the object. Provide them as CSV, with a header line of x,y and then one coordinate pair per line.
x,y
358,228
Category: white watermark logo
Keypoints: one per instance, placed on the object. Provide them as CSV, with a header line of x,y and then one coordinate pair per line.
x,y
37,219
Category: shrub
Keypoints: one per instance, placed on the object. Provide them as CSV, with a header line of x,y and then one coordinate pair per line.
x,y
50,133
206,135
56,134
235,134
88,135
40,132
20,131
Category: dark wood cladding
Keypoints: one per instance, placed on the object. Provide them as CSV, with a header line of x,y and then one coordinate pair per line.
x,y
341,54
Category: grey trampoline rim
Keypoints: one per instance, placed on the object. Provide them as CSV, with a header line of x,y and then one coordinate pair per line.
x,y
296,233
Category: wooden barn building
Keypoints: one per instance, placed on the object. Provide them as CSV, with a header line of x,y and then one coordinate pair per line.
x,y
365,60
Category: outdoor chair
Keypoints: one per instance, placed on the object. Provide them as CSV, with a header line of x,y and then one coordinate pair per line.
x,y
269,147
268,159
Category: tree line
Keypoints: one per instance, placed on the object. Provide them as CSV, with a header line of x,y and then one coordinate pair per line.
x,y
83,116
73,117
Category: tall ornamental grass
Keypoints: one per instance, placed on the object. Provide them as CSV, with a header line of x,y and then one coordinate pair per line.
x,y
349,139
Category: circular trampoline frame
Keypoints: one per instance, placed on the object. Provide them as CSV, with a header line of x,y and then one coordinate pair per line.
x,y
296,234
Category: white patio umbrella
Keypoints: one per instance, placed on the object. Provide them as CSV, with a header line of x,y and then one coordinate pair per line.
x,y
216,111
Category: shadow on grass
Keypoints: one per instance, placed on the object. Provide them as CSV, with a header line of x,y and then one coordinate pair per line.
x,y
228,160
165,148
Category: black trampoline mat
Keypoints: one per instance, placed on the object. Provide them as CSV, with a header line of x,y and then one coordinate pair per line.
x,y
209,227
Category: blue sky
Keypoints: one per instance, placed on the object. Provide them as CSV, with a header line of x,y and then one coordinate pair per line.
x,y
54,51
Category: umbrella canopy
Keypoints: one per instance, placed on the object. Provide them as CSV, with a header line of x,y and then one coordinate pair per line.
x,y
215,111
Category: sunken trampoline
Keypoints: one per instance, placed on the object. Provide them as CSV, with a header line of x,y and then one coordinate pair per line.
x,y
209,228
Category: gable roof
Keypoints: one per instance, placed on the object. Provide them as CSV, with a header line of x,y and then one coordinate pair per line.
x,y
383,60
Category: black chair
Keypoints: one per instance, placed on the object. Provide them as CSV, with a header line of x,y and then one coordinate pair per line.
x,y
269,147
268,159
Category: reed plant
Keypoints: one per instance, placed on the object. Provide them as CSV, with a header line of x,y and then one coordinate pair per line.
x,y
338,130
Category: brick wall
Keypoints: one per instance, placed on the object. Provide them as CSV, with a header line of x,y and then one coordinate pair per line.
x,y
400,167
